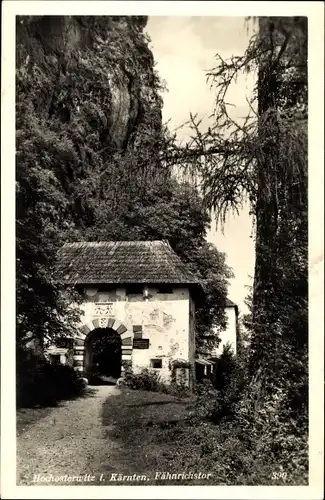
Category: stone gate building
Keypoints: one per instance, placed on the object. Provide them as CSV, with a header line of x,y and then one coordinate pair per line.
x,y
142,291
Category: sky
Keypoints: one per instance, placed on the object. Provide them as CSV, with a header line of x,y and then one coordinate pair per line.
x,y
184,49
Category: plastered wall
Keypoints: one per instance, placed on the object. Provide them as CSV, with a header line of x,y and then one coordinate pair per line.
x,y
167,320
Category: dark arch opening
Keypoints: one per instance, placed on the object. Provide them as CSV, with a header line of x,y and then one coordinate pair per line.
x,y
103,356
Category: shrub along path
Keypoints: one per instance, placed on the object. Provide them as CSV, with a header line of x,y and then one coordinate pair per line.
x,y
67,441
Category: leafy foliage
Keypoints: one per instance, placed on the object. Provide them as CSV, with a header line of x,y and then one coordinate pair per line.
x,y
150,380
230,379
71,117
89,137
40,383
264,158
146,380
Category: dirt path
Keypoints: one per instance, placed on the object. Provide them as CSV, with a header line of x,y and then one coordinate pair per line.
x,y
67,442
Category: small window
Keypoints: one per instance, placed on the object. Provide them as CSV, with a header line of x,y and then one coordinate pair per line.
x,y
156,363
137,331
55,359
165,289
66,343
106,288
134,289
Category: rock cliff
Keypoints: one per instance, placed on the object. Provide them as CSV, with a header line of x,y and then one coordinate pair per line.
x,y
94,73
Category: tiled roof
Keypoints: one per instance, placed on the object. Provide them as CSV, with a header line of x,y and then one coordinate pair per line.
x,y
121,262
230,303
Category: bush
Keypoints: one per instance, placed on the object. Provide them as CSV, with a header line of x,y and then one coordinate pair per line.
x,y
248,440
247,433
229,381
39,383
149,380
146,380
225,366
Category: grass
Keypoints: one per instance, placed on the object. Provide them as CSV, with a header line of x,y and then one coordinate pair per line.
x,y
155,433
144,424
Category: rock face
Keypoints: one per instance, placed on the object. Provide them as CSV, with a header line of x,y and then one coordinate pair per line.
x,y
94,73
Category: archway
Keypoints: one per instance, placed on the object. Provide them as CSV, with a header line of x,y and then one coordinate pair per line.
x,y
103,355
79,358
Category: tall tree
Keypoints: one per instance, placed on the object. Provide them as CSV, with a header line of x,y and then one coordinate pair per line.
x,y
264,159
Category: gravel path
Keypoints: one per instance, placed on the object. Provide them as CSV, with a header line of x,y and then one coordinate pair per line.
x,y
68,442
